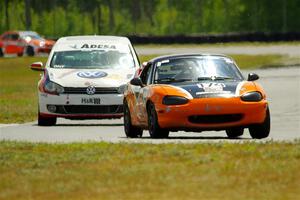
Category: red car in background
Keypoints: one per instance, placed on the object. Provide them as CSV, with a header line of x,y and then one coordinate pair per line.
x,y
24,42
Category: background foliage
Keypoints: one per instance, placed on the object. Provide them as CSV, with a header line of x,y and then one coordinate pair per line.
x,y
55,18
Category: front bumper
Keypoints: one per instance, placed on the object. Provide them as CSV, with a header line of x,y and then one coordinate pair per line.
x,y
44,49
211,114
80,106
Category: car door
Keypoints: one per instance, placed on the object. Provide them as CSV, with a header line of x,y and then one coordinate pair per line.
x,y
5,41
11,43
141,96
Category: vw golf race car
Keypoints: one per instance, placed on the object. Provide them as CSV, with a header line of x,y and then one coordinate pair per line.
x,y
195,93
84,78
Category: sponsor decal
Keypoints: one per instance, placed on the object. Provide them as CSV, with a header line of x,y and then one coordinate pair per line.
x,y
91,74
59,66
73,46
90,90
98,46
212,87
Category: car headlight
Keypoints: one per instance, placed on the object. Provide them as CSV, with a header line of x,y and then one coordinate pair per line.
x,y
122,88
252,96
174,100
42,43
53,88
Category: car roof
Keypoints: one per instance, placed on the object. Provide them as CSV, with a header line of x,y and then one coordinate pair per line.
x,y
94,38
65,42
166,57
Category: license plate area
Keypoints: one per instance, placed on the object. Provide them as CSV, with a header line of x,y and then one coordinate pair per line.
x,y
91,101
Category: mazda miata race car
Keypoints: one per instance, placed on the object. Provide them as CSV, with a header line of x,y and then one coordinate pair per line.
x,y
196,92
84,78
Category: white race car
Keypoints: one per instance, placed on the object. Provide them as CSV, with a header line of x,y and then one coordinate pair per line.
x,y
84,78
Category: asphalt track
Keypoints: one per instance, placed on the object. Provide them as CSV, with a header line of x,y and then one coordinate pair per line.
x,y
282,86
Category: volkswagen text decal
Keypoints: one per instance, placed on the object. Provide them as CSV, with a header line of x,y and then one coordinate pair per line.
x,y
91,74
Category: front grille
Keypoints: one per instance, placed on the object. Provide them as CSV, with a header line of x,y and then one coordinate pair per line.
x,y
80,109
215,119
82,90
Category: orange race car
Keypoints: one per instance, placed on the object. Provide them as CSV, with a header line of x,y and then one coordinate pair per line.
x,y
195,92
24,42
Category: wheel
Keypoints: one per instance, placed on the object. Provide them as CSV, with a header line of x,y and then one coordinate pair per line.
x,y
30,51
259,131
154,130
20,54
1,53
130,130
46,121
234,132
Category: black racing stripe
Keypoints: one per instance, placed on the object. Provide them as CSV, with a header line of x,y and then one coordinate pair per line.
x,y
210,89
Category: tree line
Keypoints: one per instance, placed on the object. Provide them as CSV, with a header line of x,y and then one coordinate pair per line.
x,y
55,18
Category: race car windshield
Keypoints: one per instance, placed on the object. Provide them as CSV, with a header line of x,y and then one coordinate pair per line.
x,y
92,59
31,35
200,68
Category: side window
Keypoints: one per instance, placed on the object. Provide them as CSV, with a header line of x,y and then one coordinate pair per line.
x,y
14,36
145,74
149,75
6,37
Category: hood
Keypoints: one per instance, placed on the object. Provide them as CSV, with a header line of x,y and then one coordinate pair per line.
x,y
212,88
87,77
42,42
36,42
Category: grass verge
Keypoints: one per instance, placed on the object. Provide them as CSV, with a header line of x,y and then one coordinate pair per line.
x,y
146,171
18,90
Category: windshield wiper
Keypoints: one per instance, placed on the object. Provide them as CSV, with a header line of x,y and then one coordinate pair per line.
x,y
203,78
222,77
173,80
214,78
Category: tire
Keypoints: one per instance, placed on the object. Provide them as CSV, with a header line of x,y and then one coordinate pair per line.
x,y
1,53
46,121
154,130
235,132
130,130
30,51
20,54
259,131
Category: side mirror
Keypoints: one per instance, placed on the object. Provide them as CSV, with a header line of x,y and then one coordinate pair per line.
x,y
37,66
252,77
136,82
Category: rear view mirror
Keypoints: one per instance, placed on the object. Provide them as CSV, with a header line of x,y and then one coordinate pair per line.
x,y
252,77
137,82
37,66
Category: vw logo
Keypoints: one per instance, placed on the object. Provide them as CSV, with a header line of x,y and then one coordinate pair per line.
x,y
90,90
91,74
